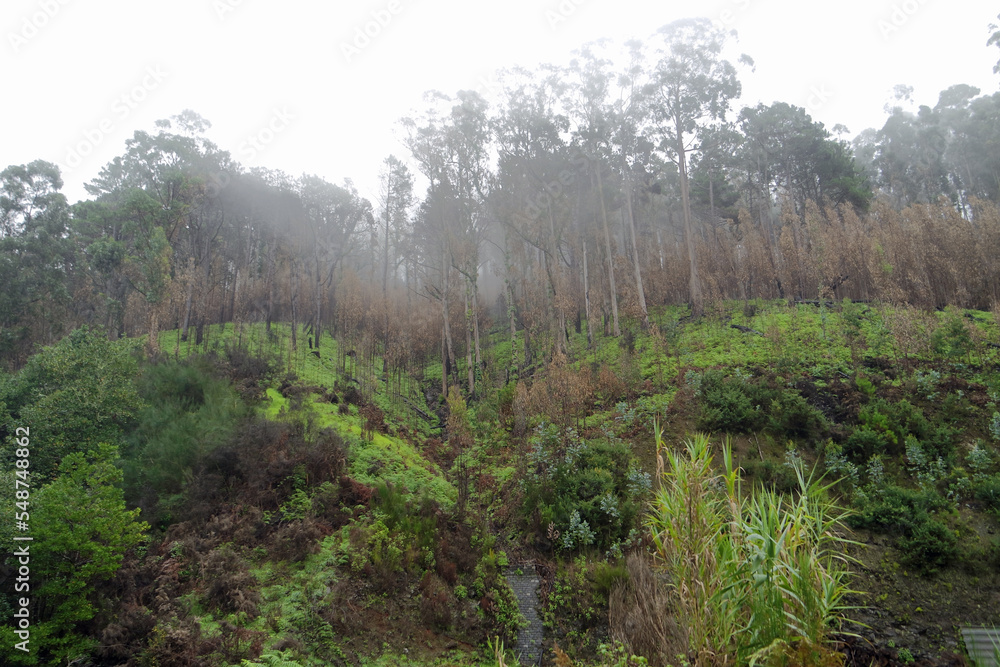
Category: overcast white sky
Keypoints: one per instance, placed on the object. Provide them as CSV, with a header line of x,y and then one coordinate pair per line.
x,y
81,76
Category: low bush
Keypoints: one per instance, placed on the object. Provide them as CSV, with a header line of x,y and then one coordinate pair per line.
x,y
925,542
737,404
580,493
884,428
987,492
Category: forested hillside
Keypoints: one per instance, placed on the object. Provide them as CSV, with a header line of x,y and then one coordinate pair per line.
x,y
728,383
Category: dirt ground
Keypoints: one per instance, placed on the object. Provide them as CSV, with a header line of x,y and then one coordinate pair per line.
x,y
907,612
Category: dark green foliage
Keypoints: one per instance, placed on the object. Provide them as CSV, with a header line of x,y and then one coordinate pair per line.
x,y
863,443
418,524
988,491
505,403
774,474
928,545
36,253
925,542
586,491
80,392
884,427
737,404
81,533
951,339
792,416
725,405
497,603
190,413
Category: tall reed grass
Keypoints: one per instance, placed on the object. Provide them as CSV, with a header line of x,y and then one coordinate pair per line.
x,y
759,578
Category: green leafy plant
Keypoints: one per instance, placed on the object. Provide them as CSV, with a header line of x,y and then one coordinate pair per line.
x,y
756,577
82,532
924,541
587,489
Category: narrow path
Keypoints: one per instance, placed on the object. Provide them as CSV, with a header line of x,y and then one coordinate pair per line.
x,y
529,639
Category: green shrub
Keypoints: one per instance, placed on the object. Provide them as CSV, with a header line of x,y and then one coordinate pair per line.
x,y
190,413
864,443
929,545
726,404
505,403
925,542
951,339
587,491
884,428
792,416
81,391
497,604
988,491
736,404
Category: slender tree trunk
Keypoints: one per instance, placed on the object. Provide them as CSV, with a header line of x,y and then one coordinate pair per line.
x,y
232,295
294,300
508,285
188,299
269,299
586,298
558,317
385,284
153,343
475,325
635,248
470,369
607,243
711,197
317,305
446,313
444,364
697,304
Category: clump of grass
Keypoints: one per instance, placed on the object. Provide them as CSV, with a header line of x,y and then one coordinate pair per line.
x,y
760,578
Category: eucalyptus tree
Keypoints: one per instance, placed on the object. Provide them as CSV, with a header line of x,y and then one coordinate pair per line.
x,y
715,170
971,126
909,158
331,215
691,87
429,250
634,149
452,145
395,201
589,102
786,153
536,179
36,258
156,214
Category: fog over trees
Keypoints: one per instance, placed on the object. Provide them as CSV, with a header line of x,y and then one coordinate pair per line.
x,y
587,193
257,416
